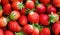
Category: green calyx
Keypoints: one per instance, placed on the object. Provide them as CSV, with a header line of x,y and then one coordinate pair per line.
x,y
37,3
0,7
27,11
20,5
8,19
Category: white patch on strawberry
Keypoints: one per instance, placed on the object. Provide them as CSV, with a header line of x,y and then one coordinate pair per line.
x,y
5,20
31,12
31,26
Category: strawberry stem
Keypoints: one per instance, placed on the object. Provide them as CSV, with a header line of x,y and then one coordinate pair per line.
x,y
0,7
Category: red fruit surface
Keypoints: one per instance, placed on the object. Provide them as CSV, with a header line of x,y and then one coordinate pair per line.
x,y
44,19
1,12
1,32
14,26
15,0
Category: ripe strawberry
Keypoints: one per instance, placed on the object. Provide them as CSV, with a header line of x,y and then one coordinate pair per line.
x,y
45,1
41,8
3,21
1,32
33,17
8,32
29,4
4,2
56,28
14,26
45,31
23,20
44,19
50,9
1,11
17,5
14,15
56,3
35,32
7,9
28,29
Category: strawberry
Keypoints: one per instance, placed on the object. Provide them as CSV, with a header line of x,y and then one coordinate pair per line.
x,y
45,1
50,9
4,2
7,9
14,25
45,31
1,11
23,20
28,29
29,4
41,8
44,19
17,5
14,15
33,17
1,32
3,21
56,28
8,32
56,3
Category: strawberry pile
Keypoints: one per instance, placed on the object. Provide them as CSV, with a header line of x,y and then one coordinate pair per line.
x,y
29,17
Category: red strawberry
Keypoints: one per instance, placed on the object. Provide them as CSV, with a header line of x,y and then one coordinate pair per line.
x,y
14,26
56,28
29,4
7,9
35,32
41,8
28,29
4,2
1,32
8,32
45,31
3,21
44,19
14,15
45,1
33,17
1,11
56,3
23,20
50,9
17,5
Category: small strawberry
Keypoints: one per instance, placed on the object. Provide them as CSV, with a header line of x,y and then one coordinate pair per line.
x,y
23,20
29,4
8,32
33,17
44,19
17,5
51,8
28,29
14,26
7,9
14,15
1,32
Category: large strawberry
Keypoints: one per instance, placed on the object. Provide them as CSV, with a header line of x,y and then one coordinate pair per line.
x,y
7,9
56,28
17,5
29,4
45,1
8,32
28,29
56,3
14,26
14,15
50,9
1,32
23,20
44,19
33,17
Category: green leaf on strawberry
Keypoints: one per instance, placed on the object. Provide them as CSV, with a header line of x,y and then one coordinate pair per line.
x,y
0,7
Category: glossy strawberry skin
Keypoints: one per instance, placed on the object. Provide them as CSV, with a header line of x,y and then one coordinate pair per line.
x,y
1,32
44,19
41,8
14,25
8,32
33,17
7,9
